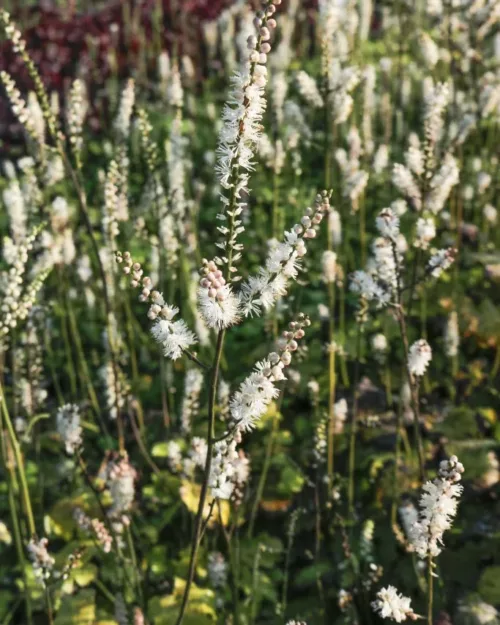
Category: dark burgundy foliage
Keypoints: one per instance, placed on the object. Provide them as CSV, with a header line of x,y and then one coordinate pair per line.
x,y
64,46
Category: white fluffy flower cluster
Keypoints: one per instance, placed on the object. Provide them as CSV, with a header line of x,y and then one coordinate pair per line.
x,y
120,480
379,282
441,261
190,402
95,527
197,456
174,456
219,307
409,516
75,113
125,108
223,470
387,223
21,110
15,204
340,410
379,343
283,261
341,83
69,428
435,105
241,131
175,92
425,232
367,287
16,299
403,180
116,388
354,179
217,569
441,184
393,605
438,507
173,336
429,50
381,159
230,469
490,213
329,264
257,391
41,560
420,165
419,357
308,89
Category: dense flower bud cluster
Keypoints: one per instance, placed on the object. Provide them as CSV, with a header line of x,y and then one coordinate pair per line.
x,y
438,506
95,527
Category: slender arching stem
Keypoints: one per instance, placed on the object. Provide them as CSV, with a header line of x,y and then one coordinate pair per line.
x,y
208,463
430,590
412,380
354,417
12,488
19,463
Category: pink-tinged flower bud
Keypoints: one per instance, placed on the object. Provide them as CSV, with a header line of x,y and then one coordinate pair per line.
x,y
310,234
218,274
299,334
126,270
306,222
265,48
271,23
257,22
298,229
277,372
205,283
262,58
274,358
317,219
221,296
216,284
293,345
254,57
212,293
264,33
134,283
286,358
252,42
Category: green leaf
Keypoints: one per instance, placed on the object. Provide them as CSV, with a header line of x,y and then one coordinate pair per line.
x,y
489,585
200,609
77,609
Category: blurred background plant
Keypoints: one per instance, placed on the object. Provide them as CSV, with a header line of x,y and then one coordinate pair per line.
x,y
108,142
